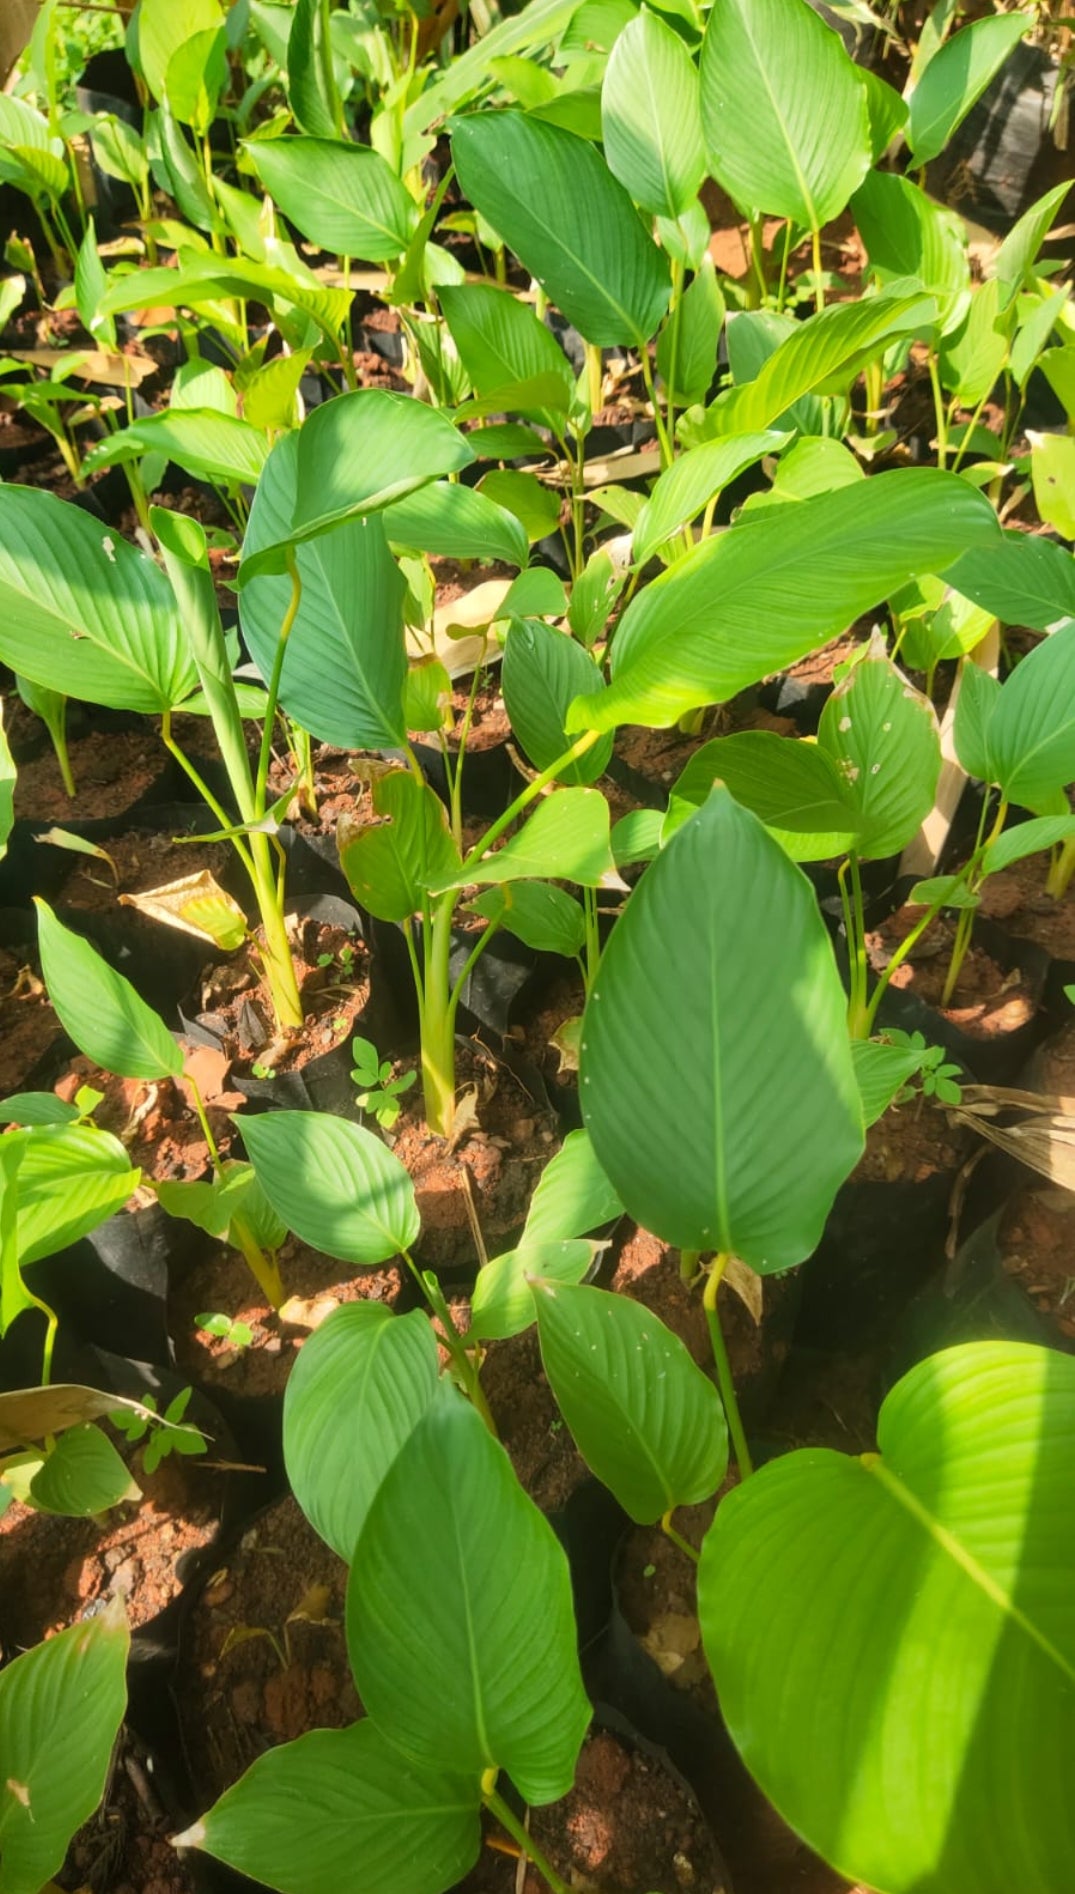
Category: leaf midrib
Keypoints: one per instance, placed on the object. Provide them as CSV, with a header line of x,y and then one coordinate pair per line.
x,y
972,1568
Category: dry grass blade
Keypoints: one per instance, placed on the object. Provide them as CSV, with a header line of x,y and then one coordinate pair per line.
x,y
1043,1139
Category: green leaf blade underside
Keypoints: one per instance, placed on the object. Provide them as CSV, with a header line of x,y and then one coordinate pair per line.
x,y
335,1184
737,1051
342,196
360,1386
751,601
389,865
61,1705
543,670
1032,729
900,1676
783,110
80,603
580,235
882,738
101,1010
644,1417
346,660
305,1812
493,1680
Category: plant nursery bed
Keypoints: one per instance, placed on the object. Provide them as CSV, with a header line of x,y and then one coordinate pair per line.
x,y
56,1571
1017,898
221,1283
988,1001
126,1847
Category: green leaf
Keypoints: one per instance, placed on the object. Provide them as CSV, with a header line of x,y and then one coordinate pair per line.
x,y
795,788
206,278
178,170
644,1417
360,1386
690,338
391,865
90,281
887,111
543,671
579,234
738,1049
336,1185
814,465
821,355
61,1706
70,1178
748,602
503,1302
355,455
82,1475
651,121
342,196
345,660
535,506
503,346
163,27
209,445
979,695
536,912
456,522
105,1017
915,1630
593,595
573,1195
36,1108
1052,468
1026,838
474,1656
908,236
881,1071
197,74
536,593
1021,579
883,739
783,109
305,1812
955,79
118,150
1058,367
1014,261
80,603
566,839
972,357
686,487
1032,729
312,91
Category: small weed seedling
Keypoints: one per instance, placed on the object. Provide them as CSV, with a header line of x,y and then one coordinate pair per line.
x,y
225,1328
380,1093
170,1435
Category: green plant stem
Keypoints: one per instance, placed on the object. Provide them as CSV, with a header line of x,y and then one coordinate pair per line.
x,y
819,287
204,791
759,288
856,951
1061,870
939,410
513,1826
593,938
723,1366
658,419
688,1264
465,1366
968,431
965,923
455,777
673,353
782,286
437,1016
263,1268
284,633
595,375
57,729
677,1538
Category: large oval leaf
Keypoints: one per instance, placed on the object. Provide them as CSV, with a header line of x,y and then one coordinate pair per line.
x,y
567,839
357,1391
956,77
342,196
687,486
644,1417
714,1045
70,1178
822,354
61,1705
882,737
1022,579
503,346
578,232
78,603
355,455
543,671
651,122
345,661
794,788
336,1185
782,582
459,1616
783,109
893,1637
105,1017
456,522
1032,728
306,1812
